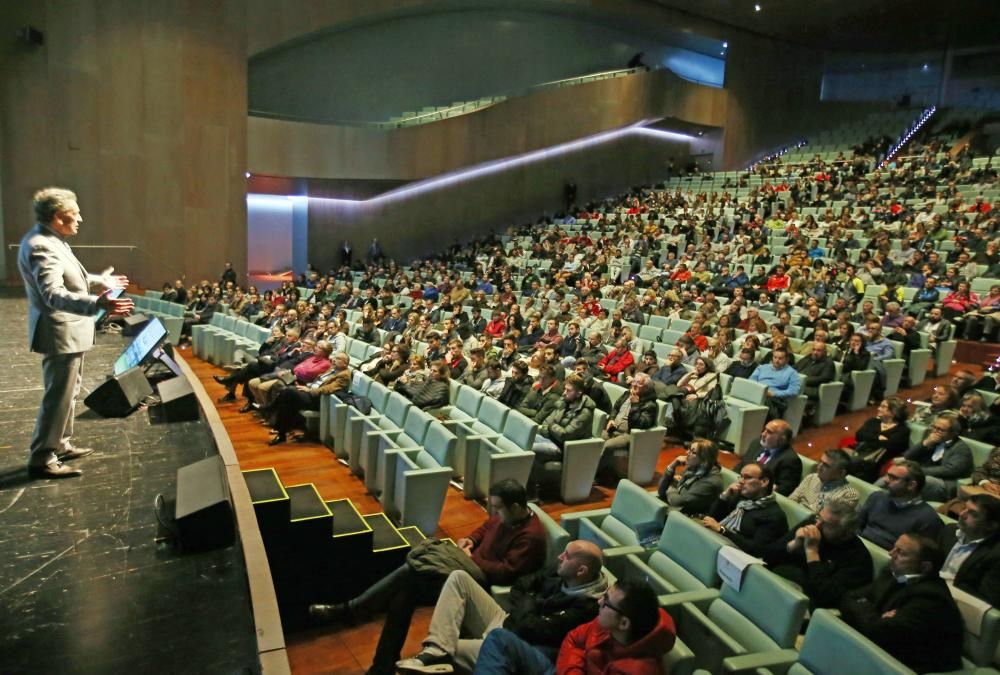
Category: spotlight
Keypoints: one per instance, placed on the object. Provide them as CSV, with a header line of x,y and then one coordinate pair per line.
x,y
756,8
248,174
725,45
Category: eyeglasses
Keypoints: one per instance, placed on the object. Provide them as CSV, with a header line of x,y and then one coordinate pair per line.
x,y
607,603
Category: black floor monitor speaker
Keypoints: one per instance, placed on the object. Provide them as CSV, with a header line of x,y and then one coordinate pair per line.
x,y
120,395
133,323
177,402
203,513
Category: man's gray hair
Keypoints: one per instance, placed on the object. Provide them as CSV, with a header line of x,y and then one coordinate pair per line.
x,y
51,201
844,512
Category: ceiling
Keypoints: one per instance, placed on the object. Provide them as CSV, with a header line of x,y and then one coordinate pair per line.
x,y
870,25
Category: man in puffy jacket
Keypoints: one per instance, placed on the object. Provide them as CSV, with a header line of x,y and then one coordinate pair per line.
x,y
572,419
630,635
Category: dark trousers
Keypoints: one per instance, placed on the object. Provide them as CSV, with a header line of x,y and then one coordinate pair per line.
x,y
399,594
245,374
290,403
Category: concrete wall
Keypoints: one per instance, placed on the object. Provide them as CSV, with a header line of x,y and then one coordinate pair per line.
x,y
140,107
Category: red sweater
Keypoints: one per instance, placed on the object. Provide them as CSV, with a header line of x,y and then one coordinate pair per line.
x,y
615,362
505,553
590,650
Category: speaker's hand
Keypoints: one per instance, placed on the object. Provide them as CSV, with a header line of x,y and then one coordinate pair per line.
x,y
112,281
122,306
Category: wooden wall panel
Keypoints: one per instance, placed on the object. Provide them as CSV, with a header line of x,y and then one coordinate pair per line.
x,y
139,106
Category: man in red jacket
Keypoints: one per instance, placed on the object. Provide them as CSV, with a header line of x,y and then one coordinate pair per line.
x,y
629,637
617,360
511,543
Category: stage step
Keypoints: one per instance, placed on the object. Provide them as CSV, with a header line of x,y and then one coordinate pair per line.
x,y
412,535
270,501
389,547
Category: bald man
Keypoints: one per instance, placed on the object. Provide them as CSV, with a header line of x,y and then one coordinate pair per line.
x,y
545,606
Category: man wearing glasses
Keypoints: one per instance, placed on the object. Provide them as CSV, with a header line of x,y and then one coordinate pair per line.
x,y
630,634
899,509
943,456
747,513
827,484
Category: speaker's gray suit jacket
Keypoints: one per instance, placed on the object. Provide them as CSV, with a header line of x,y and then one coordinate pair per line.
x,y
60,307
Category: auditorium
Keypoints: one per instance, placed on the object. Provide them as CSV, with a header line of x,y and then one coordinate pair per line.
x,y
521,337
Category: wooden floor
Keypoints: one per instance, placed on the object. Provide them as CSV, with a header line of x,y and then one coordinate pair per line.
x,y
349,651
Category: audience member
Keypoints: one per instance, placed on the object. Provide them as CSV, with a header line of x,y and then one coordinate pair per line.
x,y
887,514
827,484
747,513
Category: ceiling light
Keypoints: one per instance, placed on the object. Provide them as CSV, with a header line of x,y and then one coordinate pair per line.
x,y
756,8
725,45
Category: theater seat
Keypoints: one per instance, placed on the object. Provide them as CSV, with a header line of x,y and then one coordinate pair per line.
x,y
632,508
416,479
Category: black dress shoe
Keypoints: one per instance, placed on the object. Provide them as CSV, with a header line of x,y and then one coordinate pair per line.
x,y
338,613
278,440
74,453
221,379
54,470
228,398
247,408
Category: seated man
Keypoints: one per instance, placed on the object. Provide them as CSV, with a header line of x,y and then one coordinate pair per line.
x,y
516,386
886,515
544,607
782,382
943,456
616,361
264,390
747,513
630,635
543,397
366,331
475,374
673,370
510,544
815,369
823,555
972,562
744,365
908,610
828,483
571,420
292,401
774,450
272,354
637,410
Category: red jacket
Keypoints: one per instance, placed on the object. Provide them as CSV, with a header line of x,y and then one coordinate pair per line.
x,y
615,362
590,650
505,553
777,282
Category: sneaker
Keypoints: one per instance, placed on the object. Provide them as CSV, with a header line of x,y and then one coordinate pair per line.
x,y
425,662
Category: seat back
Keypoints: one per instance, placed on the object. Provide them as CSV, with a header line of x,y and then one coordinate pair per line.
x,y
765,614
520,430
831,646
361,384
378,394
439,447
745,390
396,408
468,400
693,547
417,422
632,506
980,451
493,414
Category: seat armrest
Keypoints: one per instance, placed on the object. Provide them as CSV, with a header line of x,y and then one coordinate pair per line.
x,y
782,658
703,596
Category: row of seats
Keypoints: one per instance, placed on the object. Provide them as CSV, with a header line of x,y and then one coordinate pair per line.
x,y
171,314
735,630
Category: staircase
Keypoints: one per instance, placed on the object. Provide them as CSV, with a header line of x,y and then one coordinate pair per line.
x,y
321,551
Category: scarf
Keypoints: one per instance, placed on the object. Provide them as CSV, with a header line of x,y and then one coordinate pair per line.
x,y
735,518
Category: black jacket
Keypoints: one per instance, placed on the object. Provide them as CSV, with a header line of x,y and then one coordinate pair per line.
x,y
926,631
537,405
786,466
642,415
759,528
815,372
514,392
541,613
980,573
843,566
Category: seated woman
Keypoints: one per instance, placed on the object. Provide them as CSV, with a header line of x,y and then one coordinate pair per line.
x,y
700,484
943,398
977,422
880,439
856,357
389,370
693,387
430,394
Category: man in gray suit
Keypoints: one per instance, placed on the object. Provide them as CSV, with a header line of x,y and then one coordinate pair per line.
x,y
61,325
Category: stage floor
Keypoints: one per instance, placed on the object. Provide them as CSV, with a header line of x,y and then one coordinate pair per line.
x,y
83,586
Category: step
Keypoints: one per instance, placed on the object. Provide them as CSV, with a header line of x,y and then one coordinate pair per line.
x,y
308,513
389,547
270,501
412,535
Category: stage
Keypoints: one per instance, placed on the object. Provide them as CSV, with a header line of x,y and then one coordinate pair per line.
x,y
83,585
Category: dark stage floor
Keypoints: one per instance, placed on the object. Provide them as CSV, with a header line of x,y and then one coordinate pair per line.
x,y
83,586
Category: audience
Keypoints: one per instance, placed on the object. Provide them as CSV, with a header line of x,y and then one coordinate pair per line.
x,y
827,484
697,488
774,450
888,513
747,513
